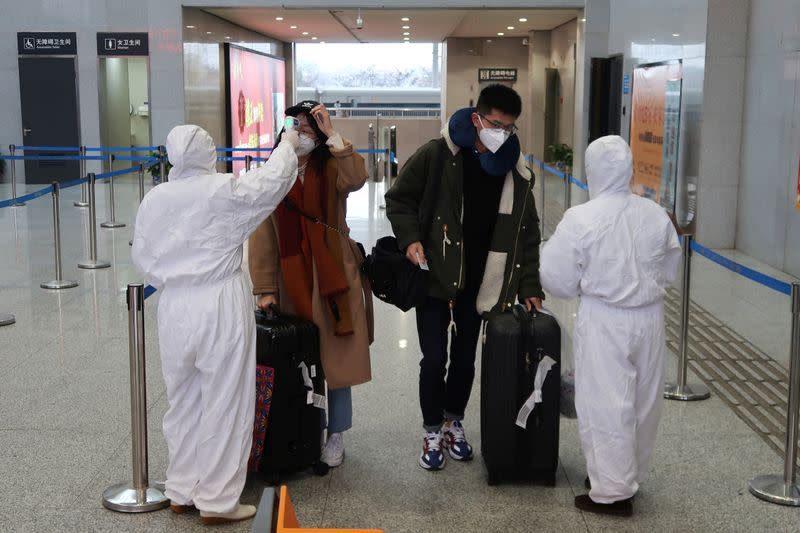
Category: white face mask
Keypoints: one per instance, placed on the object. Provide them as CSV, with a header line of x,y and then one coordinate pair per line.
x,y
307,145
492,138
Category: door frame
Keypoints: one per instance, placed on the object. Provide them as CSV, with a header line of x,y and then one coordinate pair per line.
x,y
74,58
149,96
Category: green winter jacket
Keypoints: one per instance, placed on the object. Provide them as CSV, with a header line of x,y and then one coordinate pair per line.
x,y
512,266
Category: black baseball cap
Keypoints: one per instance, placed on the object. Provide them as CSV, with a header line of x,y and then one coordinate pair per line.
x,y
303,107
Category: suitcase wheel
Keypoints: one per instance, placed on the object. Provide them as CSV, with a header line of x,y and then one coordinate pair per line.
x,y
321,469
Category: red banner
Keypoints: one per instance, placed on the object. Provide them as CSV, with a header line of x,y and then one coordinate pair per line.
x,y
258,100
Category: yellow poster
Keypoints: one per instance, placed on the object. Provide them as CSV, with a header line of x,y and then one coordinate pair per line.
x,y
655,95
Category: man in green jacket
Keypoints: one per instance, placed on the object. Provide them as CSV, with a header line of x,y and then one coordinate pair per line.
x,y
482,249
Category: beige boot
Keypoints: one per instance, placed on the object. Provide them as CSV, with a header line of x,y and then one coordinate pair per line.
x,y
243,512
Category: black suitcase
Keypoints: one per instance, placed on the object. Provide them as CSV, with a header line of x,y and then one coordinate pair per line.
x,y
292,441
516,344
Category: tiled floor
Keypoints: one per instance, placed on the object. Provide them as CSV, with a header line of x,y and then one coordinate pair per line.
x,y
65,429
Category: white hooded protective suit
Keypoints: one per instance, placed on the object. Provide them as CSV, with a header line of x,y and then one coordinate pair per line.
x,y
618,252
188,244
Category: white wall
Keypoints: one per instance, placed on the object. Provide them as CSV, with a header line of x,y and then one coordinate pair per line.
x,y
768,224
139,94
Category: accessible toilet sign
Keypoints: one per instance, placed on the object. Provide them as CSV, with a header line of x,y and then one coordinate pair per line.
x,y
47,43
123,44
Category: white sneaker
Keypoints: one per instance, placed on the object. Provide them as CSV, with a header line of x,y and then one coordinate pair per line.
x,y
333,452
243,512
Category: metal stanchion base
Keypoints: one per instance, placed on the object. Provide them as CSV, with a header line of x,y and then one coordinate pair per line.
x,y
59,284
81,204
93,265
774,489
112,225
124,498
6,319
687,393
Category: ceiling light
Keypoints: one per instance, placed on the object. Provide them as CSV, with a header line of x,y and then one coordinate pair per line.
x,y
406,33
278,18
500,34
190,27
406,38
305,33
676,34
523,19
293,27
405,19
313,38
322,42
227,36
510,28
583,19
208,33
406,27
488,40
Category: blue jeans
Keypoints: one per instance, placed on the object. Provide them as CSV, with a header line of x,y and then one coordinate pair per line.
x,y
340,410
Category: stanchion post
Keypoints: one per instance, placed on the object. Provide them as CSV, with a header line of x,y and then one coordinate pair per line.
x,y
373,160
84,202
248,162
681,390
6,319
141,183
11,150
784,490
567,191
112,201
162,163
93,263
138,496
57,283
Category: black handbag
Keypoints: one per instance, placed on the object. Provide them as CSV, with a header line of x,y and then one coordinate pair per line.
x,y
394,279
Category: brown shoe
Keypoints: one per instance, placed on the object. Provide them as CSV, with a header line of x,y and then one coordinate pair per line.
x,y
621,508
181,509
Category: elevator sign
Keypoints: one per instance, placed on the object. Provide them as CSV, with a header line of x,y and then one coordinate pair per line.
x,y
497,74
122,44
47,43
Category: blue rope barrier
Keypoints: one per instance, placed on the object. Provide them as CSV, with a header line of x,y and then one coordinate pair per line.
x,y
53,157
27,197
49,148
749,273
149,291
108,175
572,179
73,183
370,151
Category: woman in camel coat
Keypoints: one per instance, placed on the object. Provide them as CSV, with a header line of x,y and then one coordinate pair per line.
x,y
312,271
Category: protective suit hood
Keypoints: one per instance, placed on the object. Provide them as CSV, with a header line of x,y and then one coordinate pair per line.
x,y
609,166
191,151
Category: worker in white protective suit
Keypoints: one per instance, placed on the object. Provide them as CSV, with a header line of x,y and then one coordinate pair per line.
x,y
188,244
618,252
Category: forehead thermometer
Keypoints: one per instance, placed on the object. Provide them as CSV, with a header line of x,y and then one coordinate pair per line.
x,y
291,123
